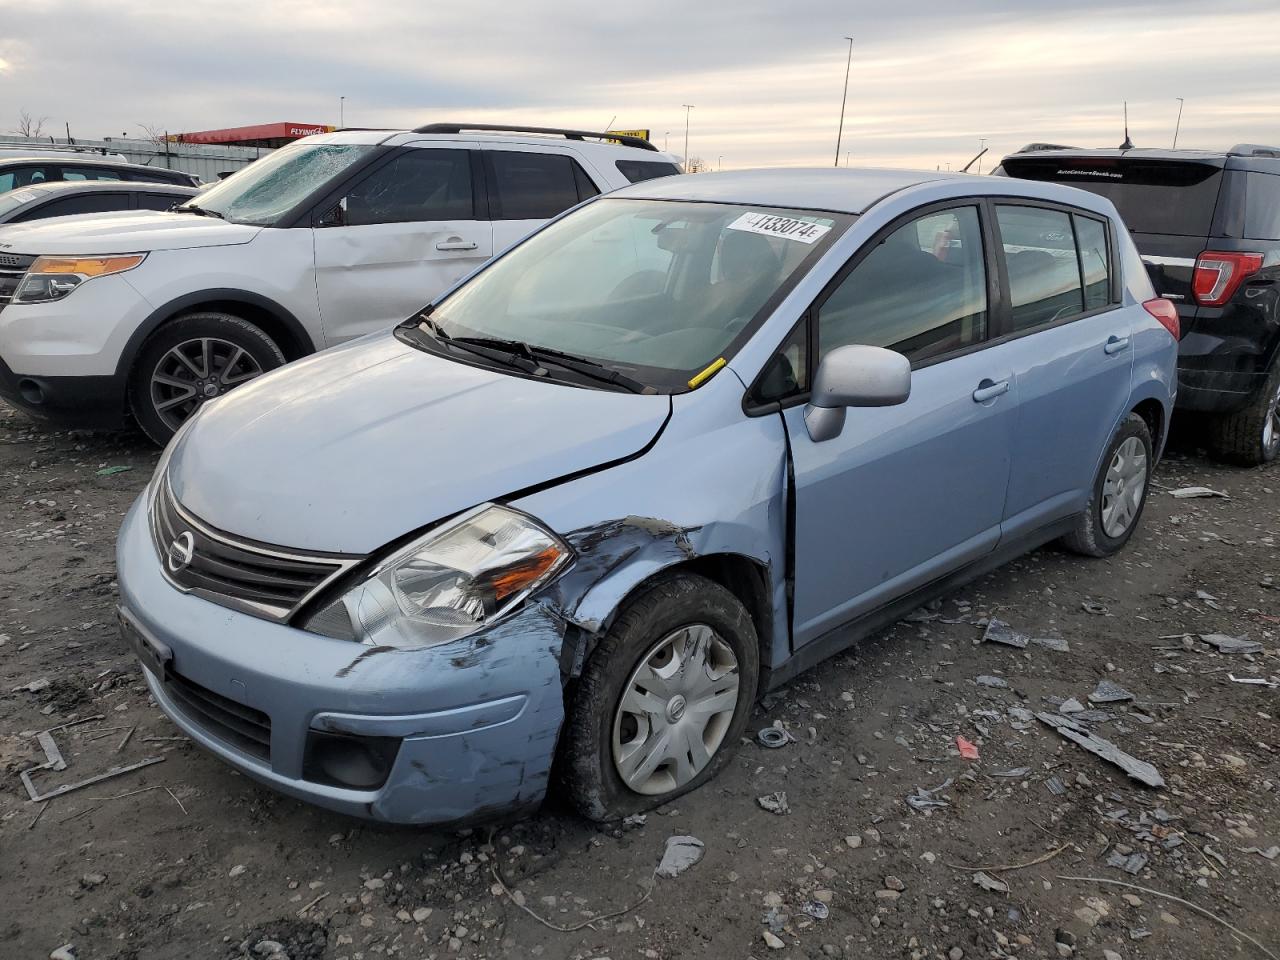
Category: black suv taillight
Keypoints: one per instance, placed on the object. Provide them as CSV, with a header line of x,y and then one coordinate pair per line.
x,y
1218,276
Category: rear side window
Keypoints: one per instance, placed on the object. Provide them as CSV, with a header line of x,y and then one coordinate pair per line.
x,y
922,291
1262,207
69,206
1044,274
1153,196
637,170
420,185
1095,264
534,186
89,173
15,177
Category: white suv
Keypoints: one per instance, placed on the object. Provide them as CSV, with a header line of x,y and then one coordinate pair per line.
x,y
330,238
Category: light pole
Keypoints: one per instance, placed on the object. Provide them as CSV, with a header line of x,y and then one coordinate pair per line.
x,y
1178,125
665,137
720,164
687,108
342,103
844,99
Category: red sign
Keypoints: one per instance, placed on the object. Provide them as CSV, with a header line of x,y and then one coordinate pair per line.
x,y
258,135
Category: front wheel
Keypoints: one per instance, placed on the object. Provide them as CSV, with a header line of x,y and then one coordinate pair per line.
x,y
1119,493
192,360
663,700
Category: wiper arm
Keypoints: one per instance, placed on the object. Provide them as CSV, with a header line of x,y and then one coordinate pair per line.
x,y
491,349
201,211
588,368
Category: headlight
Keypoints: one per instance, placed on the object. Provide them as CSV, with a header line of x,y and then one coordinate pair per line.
x,y
52,278
450,583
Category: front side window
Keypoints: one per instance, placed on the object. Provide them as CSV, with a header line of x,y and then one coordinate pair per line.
x,y
70,206
267,189
159,201
654,289
15,177
1044,274
534,186
421,185
922,291
88,173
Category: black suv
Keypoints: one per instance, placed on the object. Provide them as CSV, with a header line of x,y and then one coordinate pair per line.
x,y
1208,227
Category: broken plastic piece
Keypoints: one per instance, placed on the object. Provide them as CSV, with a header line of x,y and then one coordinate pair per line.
x,y
773,737
1109,691
775,803
988,882
1139,770
1226,644
967,749
1258,681
988,681
681,854
1000,632
1186,493
817,909
1132,864
112,471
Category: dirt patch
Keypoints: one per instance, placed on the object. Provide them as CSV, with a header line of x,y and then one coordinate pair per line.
x,y
185,858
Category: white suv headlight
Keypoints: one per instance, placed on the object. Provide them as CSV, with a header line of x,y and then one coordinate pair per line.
x,y
52,278
450,583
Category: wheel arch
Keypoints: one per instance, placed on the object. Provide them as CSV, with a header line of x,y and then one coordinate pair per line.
x,y
276,321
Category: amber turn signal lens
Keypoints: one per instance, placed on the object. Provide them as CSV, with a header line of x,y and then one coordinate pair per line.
x,y
86,266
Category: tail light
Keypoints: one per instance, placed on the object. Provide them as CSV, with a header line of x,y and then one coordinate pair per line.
x,y
1164,311
1218,275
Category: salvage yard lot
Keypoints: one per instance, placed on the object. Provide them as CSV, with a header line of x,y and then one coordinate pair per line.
x,y
187,859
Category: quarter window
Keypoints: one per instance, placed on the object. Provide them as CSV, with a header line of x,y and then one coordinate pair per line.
x,y
1091,238
422,184
534,186
1262,211
922,291
1044,274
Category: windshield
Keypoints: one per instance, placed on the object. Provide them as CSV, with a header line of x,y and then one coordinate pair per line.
x,y
14,199
657,290
269,188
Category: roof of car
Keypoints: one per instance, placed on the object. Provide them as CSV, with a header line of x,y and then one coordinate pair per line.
x,y
839,190
399,137
47,187
80,160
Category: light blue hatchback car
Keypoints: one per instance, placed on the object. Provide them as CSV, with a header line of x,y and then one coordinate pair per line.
x,y
680,444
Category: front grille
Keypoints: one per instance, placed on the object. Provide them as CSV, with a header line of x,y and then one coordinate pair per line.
x,y
242,727
242,574
13,267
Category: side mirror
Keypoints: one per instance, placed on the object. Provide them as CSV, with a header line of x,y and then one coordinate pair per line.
x,y
854,376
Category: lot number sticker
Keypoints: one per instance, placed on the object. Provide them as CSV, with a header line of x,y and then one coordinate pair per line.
x,y
802,229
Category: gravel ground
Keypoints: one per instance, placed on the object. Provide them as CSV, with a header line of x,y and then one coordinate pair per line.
x,y
186,859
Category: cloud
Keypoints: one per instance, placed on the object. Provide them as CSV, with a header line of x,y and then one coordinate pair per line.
x,y
927,81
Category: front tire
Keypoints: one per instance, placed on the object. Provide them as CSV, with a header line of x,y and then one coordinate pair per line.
x,y
1251,437
1119,492
192,360
663,700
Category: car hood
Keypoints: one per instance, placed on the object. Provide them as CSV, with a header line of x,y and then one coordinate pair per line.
x,y
128,231
355,447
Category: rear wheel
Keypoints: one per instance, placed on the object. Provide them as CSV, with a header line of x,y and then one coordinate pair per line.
x,y
1251,436
192,360
1119,493
663,700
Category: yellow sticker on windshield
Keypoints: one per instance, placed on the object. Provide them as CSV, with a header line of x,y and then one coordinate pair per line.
x,y
700,378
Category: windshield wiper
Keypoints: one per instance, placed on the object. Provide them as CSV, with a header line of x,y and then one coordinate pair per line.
x,y
588,368
201,211
490,349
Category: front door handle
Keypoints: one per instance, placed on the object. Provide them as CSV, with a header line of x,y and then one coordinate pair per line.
x,y
456,243
1115,344
989,389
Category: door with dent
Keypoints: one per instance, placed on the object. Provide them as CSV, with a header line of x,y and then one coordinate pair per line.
x,y
398,238
528,185
904,494
1071,353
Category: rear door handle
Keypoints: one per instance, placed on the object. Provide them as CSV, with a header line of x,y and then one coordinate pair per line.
x,y
1115,344
456,243
989,389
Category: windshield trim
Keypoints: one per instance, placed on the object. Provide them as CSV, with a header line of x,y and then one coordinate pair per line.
x,y
668,380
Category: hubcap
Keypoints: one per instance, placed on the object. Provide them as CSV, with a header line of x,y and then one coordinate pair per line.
x,y
675,710
195,372
1271,425
1123,487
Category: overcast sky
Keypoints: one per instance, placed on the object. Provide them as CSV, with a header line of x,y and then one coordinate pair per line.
x,y
929,78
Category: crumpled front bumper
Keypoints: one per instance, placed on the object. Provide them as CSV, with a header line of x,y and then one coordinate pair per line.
x,y
477,720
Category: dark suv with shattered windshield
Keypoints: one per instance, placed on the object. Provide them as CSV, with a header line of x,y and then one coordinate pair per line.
x,y
1208,227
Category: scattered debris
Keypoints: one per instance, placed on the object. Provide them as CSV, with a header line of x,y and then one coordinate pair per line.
x,y
1052,643
773,737
1258,681
1056,786
1017,773
775,803
1139,770
1270,853
55,762
1092,606
1000,632
1131,864
989,681
1002,868
35,686
1168,896
1108,691
988,882
1071,706
112,471
1226,644
817,909
924,799
771,941
967,750
1188,493
681,854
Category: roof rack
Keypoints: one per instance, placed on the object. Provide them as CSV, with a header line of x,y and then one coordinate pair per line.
x,y
625,140
1253,150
